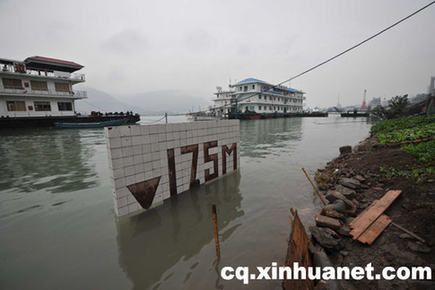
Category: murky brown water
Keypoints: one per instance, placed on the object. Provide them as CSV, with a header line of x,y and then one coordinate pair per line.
x,y
58,229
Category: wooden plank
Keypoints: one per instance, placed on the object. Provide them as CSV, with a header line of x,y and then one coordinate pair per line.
x,y
297,251
354,221
322,197
373,231
370,216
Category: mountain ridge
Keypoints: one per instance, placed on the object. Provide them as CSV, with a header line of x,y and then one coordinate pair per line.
x,y
145,103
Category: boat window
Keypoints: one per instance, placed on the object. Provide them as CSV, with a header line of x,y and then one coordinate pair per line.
x,y
39,86
42,106
14,106
64,106
61,87
12,84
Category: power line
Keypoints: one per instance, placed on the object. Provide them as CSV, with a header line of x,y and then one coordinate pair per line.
x,y
359,44
347,50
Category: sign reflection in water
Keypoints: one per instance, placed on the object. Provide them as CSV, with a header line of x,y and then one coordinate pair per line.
x,y
179,229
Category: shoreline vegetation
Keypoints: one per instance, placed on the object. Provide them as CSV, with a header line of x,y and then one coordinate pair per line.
x,y
399,154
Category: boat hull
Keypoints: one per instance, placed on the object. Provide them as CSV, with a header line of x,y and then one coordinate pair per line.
x,y
91,124
35,122
256,116
352,114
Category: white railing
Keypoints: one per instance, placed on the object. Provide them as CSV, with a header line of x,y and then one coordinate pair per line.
x,y
60,75
49,93
76,76
81,94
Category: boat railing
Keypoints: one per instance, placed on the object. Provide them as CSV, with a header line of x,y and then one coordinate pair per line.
x,y
56,74
80,94
76,76
49,93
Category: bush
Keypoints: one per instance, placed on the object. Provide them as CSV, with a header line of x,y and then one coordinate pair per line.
x,y
396,107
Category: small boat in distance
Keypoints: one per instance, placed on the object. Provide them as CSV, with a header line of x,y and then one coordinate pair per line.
x,y
355,113
75,125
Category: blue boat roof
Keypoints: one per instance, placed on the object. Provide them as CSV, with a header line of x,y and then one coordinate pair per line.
x,y
254,80
251,80
287,89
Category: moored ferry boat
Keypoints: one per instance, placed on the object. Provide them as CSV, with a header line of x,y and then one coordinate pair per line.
x,y
38,92
252,98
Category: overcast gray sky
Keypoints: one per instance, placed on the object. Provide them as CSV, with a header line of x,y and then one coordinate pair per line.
x,y
130,47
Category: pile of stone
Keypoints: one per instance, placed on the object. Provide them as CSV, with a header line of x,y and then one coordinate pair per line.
x,y
332,225
341,189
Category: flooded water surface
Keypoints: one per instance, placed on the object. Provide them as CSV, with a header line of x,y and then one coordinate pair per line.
x,y
58,229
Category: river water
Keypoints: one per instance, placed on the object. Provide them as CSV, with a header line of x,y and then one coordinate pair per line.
x,y
58,229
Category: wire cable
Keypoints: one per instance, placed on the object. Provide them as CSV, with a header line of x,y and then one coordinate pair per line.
x,y
351,48
358,44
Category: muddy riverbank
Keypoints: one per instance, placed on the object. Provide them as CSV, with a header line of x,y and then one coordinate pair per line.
x,y
361,175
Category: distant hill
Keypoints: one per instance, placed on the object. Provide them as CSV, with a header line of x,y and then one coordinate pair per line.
x,y
100,101
147,103
170,101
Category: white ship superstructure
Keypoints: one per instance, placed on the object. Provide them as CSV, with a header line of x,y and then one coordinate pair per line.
x,y
39,87
257,96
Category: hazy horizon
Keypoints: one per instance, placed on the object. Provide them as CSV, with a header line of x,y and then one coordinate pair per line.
x,y
136,47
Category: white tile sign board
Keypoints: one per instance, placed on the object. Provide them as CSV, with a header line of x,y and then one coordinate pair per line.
x,y
150,163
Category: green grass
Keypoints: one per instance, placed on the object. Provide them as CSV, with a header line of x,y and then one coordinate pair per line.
x,y
409,129
409,134
401,123
418,174
425,152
